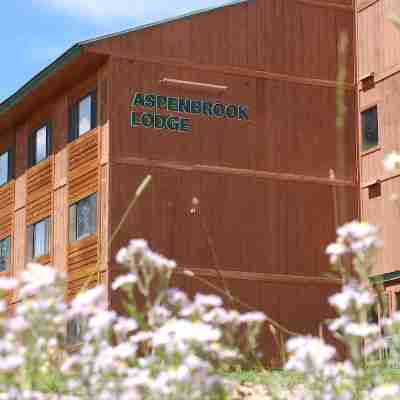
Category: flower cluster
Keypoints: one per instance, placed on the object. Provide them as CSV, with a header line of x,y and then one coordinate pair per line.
x,y
326,377
173,348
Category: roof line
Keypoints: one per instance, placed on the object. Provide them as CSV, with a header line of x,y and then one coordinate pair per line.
x,y
64,59
75,51
163,21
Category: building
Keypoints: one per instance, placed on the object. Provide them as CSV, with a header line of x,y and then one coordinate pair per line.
x,y
233,106
378,87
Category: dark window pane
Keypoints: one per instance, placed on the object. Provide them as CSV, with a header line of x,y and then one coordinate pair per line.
x,y
3,168
41,144
85,115
40,238
370,136
5,248
86,217
74,331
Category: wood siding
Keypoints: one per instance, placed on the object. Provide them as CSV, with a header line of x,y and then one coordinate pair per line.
x,y
296,38
272,189
379,53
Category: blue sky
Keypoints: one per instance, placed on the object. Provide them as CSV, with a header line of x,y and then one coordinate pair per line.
x,y
35,32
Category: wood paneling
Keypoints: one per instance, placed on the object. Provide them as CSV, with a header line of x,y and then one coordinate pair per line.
x,y
39,184
370,35
6,210
83,158
19,243
60,230
82,263
288,122
256,225
259,34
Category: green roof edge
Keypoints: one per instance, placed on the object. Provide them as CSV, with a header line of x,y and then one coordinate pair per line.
x,y
386,277
75,51
25,90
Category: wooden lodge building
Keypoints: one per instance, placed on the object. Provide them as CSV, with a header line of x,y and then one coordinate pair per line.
x,y
234,106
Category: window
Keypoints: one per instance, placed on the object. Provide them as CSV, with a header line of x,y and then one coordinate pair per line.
x,y
39,146
83,116
370,136
5,250
39,239
74,332
5,167
82,218
374,190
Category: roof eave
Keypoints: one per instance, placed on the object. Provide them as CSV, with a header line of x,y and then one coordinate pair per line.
x,y
66,58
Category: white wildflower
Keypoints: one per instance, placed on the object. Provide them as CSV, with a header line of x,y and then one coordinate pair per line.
x,y
308,354
207,300
335,251
124,280
392,161
385,392
361,329
252,317
8,284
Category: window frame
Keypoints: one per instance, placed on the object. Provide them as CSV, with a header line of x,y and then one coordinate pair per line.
x,y
7,238
32,143
378,145
31,239
73,123
73,219
10,166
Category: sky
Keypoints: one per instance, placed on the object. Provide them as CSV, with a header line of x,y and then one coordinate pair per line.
x,y
33,33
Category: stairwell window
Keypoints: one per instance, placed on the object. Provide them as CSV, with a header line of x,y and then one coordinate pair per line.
x,y
39,146
83,116
5,167
5,251
82,218
370,131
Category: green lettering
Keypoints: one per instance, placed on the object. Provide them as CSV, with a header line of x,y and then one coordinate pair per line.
x,y
195,107
243,113
138,100
135,119
172,104
173,123
150,100
161,101
232,111
148,120
160,121
185,125
184,105
207,109
219,110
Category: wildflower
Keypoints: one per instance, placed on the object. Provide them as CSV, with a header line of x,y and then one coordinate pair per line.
x,y
252,317
335,251
385,392
308,354
392,161
207,300
351,296
124,280
361,329
125,326
8,284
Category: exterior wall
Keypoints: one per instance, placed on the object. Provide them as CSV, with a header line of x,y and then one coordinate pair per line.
x,y
73,171
379,53
267,197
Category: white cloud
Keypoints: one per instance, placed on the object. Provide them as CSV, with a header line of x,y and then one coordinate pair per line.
x,y
139,11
